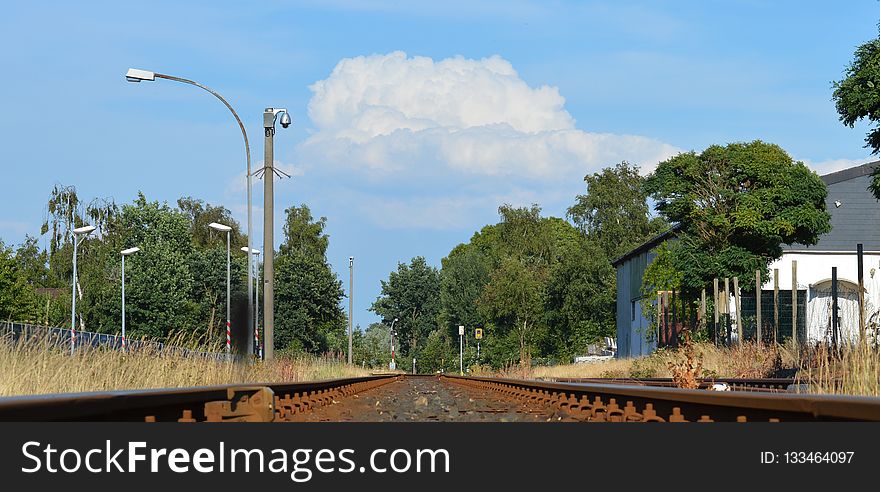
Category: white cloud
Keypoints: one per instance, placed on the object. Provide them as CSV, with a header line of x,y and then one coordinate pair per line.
x,y
393,113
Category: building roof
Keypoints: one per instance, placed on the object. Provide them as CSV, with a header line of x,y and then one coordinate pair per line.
x,y
850,173
646,246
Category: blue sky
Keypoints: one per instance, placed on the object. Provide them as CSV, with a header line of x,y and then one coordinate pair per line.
x,y
413,121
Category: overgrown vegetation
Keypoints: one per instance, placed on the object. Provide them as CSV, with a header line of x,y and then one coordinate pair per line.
x,y
35,367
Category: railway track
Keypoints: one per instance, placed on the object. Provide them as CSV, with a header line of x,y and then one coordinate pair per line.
x,y
445,398
601,402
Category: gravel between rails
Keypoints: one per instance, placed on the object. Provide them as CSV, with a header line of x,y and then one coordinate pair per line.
x,y
427,399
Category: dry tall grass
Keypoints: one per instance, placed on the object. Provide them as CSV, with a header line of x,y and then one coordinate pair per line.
x,y
746,361
853,370
38,367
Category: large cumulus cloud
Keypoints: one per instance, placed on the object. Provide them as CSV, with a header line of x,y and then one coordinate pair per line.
x,y
394,113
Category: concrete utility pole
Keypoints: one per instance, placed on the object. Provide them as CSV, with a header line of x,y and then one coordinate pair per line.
x,y
350,301
269,116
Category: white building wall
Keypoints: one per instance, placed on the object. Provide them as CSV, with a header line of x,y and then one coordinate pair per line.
x,y
814,275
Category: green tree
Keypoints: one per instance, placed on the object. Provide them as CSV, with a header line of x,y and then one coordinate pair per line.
x,y
308,293
463,275
17,297
411,294
199,214
735,206
303,233
581,298
515,298
159,279
614,212
857,97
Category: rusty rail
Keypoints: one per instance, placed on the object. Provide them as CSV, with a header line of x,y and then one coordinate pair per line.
x,y
590,401
772,385
224,403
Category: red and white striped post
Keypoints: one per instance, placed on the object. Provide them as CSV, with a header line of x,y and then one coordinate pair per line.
x,y
228,338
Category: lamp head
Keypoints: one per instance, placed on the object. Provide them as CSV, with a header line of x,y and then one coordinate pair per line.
x,y
84,229
126,252
219,227
137,75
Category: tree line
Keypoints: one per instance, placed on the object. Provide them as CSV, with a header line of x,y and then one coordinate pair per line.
x,y
176,283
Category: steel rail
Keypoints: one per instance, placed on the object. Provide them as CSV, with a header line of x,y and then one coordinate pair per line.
x,y
740,384
595,401
168,404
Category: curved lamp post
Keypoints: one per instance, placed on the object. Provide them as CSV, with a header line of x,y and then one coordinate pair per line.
x,y
79,231
225,228
137,75
125,253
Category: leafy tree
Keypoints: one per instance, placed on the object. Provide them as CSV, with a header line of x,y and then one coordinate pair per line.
x,y
463,275
735,206
159,279
614,212
307,292
581,298
33,262
411,294
200,214
515,298
857,97
303,233
17,297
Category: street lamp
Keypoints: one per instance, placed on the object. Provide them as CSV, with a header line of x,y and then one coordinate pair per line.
x,y
79,231
125,253
225,228
270,115
137,75
392,365
257,346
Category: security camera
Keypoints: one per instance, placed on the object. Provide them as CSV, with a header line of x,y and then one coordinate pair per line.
x,y
837,203
285,119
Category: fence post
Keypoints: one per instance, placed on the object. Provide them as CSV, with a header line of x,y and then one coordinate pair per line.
x,y
775,305
861,267
834,324
715,309
727,310
702,314
758,306
739,326
794,302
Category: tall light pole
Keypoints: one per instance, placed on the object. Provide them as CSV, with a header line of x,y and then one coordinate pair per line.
x,y
257,347
225,228
392,365
79,231
125,252
350,301
137,75
269,117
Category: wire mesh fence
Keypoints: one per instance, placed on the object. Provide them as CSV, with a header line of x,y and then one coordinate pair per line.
x,y
60,337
